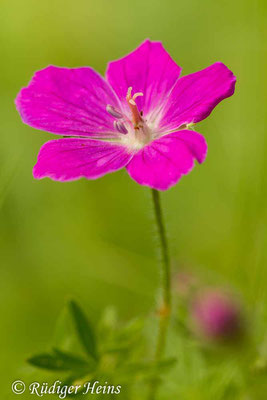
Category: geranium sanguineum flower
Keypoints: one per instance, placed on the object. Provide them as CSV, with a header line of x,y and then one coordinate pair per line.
x,y
139,117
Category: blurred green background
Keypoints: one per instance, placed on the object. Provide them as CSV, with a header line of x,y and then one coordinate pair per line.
x,y
95,240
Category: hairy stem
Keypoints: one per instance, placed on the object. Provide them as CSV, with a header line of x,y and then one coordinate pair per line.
x,y
165,305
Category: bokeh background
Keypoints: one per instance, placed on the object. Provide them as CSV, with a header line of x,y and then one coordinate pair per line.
x,y
95,240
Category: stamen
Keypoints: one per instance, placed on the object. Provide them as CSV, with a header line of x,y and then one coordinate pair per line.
x,y
112,111
120,127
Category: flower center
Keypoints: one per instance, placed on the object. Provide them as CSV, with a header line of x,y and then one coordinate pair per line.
x,y
135,130
142,133
136,115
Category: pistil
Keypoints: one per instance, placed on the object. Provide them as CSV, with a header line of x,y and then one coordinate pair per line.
x,y
136,115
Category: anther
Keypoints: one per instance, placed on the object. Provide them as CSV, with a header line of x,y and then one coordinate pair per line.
x,y
120,127
112,111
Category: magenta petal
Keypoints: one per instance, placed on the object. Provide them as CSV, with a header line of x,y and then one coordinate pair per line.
x,y
148,69
162,163
194,96
68,102
70,159
195,142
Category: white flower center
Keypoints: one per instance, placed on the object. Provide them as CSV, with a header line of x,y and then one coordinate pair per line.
x,y
135,131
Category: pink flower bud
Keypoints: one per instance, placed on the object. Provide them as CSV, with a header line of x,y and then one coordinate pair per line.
x,y
216,315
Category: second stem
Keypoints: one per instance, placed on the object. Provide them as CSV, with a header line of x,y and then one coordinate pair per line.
x,y
165,306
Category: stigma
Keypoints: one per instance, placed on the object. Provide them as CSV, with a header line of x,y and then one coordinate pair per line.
x,y
137,119
134,129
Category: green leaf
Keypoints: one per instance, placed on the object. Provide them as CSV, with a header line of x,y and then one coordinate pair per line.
x,y
64,334
108,322
83,329
49,361
62,361
75,362
167,364
115,348
132,329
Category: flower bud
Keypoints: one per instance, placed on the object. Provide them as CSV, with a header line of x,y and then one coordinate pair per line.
x,y
216,315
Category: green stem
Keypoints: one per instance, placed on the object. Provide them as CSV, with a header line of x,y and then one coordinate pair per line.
x,y
165,306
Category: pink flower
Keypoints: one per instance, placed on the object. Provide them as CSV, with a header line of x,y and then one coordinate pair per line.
x,y
216,315
138,117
